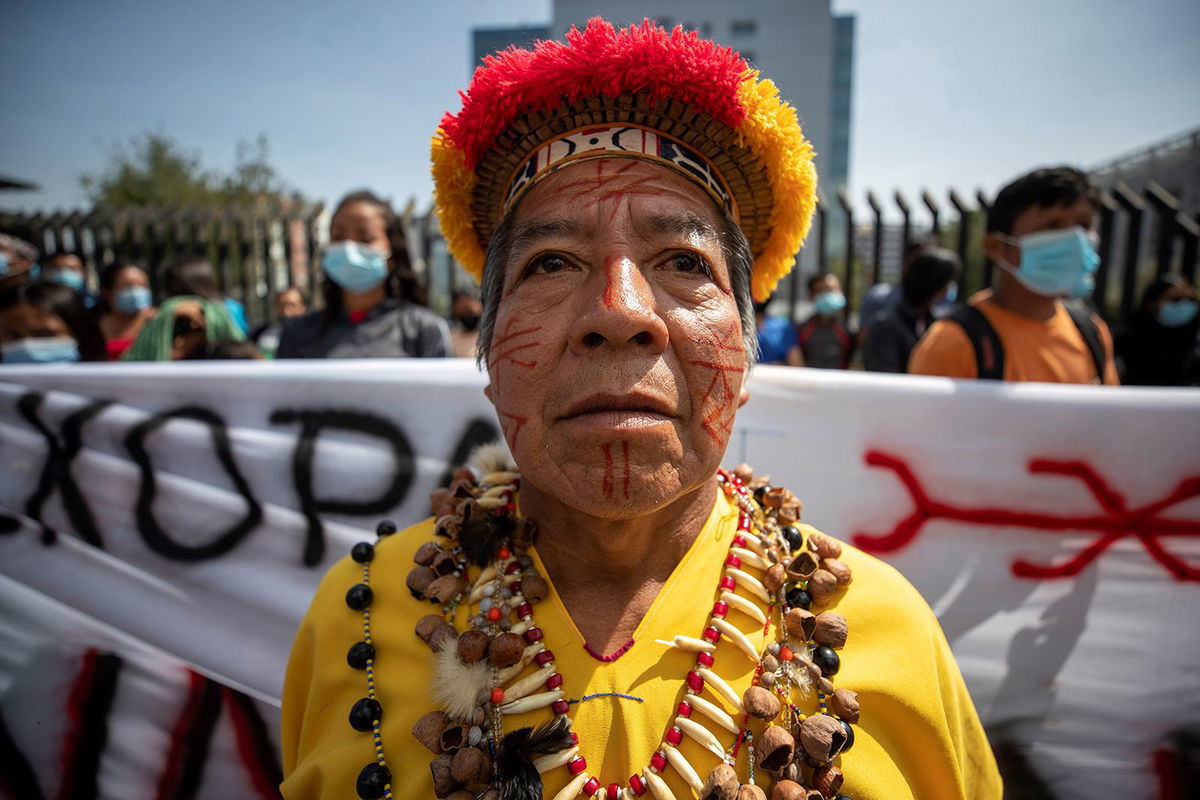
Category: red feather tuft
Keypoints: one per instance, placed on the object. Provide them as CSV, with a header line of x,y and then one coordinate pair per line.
x,y
599,60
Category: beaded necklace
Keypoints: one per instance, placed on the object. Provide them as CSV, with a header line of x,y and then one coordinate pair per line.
x,y
479,680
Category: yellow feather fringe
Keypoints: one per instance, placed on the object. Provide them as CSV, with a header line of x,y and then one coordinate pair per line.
x,y
772,132
454,186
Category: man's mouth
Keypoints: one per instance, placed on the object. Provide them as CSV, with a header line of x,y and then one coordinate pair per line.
x,y
629,410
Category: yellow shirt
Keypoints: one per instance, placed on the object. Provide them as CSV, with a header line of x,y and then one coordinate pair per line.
x,y
1051,351
919,736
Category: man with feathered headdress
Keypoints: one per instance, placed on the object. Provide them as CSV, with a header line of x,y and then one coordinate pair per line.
x,y
614,616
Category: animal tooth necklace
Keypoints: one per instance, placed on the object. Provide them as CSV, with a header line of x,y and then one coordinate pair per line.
x,y
481,677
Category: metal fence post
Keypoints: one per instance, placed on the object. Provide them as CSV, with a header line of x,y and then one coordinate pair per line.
x,y
985,206
244,243
876,240
823,240
289,221
1108,216
963,232
848,210
1189,231
154,245
935,228
222,229
1134,208
1166,207
314,260
266,229
905,213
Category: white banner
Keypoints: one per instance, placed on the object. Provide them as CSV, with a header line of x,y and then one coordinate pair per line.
x,y
162,528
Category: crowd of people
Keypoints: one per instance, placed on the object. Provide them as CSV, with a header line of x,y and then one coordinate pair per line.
x,y
373,305
1033,325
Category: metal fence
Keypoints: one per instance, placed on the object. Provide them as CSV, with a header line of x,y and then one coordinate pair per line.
x,y
1142,233
255,254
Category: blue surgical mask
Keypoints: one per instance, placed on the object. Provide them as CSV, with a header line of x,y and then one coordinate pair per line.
x,y
829,303
354,266
3,263
1056,263
945,306
133,299
41,350
1177,313
67,277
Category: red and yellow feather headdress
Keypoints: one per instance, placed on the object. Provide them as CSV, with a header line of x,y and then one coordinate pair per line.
x,y
638,92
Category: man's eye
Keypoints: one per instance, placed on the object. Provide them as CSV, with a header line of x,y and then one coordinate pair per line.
x,y
546,264
690,262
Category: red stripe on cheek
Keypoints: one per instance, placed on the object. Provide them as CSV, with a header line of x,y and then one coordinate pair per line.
x,y
607,485
625,453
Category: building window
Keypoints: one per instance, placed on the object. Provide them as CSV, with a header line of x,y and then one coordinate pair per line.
x,y
743,27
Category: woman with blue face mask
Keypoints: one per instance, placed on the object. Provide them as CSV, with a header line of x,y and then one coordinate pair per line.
x,y
46,323
128,305
1158,346
374,306
69,270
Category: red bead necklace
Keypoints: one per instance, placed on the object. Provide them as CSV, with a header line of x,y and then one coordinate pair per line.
x,y
498,592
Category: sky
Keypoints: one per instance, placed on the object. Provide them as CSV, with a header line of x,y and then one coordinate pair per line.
x,y
947,93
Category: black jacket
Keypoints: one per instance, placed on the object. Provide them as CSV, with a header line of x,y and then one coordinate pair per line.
x,y
390,330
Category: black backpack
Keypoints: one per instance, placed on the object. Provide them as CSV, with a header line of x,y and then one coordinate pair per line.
x,y
989,353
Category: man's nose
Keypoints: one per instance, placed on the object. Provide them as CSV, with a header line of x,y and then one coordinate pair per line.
x,y
619,309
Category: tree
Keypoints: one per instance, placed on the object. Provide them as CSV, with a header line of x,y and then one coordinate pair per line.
x,y
253,178
152,169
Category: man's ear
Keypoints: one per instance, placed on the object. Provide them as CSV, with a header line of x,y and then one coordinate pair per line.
x,y
743,396
996,249
487,392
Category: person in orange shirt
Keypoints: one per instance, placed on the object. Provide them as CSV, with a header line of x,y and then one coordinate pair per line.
x,y
1040,232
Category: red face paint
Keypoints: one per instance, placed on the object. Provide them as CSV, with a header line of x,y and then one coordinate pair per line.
x,y
607,484
505,348
612,273
719,401
512,425
625,455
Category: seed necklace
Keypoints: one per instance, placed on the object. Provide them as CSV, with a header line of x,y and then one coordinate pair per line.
x,y
480,677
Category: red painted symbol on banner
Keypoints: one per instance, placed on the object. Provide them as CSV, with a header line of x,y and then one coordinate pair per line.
x,y
1115,522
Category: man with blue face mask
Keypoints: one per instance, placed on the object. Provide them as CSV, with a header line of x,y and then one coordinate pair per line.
x,y
1040,234
824,341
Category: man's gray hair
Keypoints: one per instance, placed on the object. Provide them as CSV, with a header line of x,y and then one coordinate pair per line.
x,y
733,244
